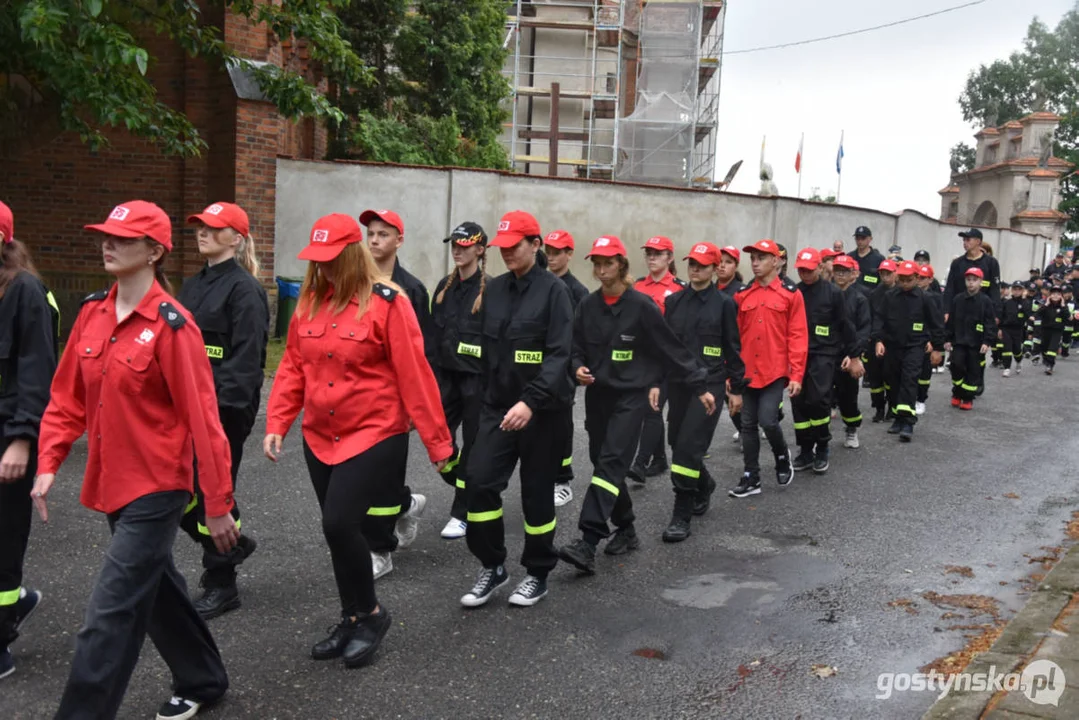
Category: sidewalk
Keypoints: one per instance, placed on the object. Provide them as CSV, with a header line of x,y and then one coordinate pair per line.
x,y
1046,629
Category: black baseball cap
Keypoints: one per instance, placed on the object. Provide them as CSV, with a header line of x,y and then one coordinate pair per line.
x,y
1060,254
1019,284
467,234
921,255
862,231
895,250
972,233
1035,271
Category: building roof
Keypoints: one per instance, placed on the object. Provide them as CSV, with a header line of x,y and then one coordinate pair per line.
x,y
949,189
1040,116
987,131
1042,215
1012,125
1043,173
1018,164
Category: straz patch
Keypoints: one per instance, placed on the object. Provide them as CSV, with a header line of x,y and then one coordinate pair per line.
x,y
711,351
470,350
528,357
621,355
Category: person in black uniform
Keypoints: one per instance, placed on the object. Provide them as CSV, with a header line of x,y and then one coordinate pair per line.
x,y
729,281
384,529
458,339
558,248
969,331
867,257
705,319
844,270
831,346
878,394
974,256
1052,316
527,334
925,282
621,348
1013,321
28,338
907,327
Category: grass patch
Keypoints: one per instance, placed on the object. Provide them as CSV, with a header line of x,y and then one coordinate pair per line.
x,y
275,349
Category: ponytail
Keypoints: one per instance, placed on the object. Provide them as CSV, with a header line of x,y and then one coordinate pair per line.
x,y
478,302
245,255
162,279
449,281
627,276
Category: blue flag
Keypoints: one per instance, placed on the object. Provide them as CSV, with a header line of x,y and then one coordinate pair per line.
x,y
839,157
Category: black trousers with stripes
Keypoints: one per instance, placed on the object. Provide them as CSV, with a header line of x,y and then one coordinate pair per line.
x,y
690,431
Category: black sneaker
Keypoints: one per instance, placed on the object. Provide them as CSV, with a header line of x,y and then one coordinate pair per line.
x,y
25,606
333,646
820,461
878,416
218,600
179,708
656,468
703,500
749,485
529,591
897,425
7,663
907,433
804,461
678,530
623,541
580,554
489,580
636,473
784,471
370,629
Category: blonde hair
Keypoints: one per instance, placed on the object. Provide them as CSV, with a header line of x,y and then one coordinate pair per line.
x,y
354,276
478,302
245,254
623,265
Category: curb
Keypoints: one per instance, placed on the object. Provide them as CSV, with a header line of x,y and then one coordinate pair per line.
x,y
1021,638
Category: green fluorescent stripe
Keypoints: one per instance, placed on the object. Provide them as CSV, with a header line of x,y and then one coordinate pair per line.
x,y
609,487
802,425
488,516
384,511
566,462
922,382
452,464
460,483
857,418
9,597
820,421
1050,353
682,470
969,388
192,505
874,391
540,529
1008,354
887,386
904,408
957,382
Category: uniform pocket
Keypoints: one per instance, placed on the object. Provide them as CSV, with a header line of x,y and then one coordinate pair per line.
x,y
132,370
358,345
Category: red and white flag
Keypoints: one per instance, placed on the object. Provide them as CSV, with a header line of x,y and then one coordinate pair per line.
x,y
798,157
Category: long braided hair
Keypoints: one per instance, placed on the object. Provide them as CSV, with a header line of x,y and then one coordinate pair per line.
x,y
455,275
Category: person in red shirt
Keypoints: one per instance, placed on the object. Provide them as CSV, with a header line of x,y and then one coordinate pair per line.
x,y
775,344
354,363
135,378
659,284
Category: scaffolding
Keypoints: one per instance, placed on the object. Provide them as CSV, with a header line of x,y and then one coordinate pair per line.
x,y
638,86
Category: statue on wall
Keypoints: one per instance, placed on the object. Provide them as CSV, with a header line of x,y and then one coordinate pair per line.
x,y
768,188
1045,142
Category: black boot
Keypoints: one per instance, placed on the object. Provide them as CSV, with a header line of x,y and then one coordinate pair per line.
x,y
878,416
624,540
580,554
370,629
678,530
703,499
896,427
219,594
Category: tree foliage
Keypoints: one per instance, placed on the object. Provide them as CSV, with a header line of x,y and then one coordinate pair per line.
x,y
1044,75
963,157
87,61
815,196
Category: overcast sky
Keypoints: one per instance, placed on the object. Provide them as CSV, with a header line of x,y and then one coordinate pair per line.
x,y
893,91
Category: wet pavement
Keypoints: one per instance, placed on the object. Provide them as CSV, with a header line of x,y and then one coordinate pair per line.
x,y
727,624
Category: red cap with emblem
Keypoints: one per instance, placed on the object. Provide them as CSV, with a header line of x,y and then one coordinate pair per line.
x,y
886,265
808,259
329,236
975,271
135,219
925,271
514,227
7,223
223,215
559,239
906,268
764,246
732,251
659,242
704,253
607,246
387,216
845,261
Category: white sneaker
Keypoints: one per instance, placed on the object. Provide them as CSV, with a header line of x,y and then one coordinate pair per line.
x,y
455,529
563,493
1007,373
737,436
852,440
408,525
381,564
919,408
1018,369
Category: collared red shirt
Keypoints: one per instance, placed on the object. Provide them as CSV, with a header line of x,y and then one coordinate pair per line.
x,y
143,392
659,291
772,326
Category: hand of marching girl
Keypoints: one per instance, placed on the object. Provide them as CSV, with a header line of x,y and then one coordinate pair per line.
x,y
271,446
708,400
42,485
734,404
224,532
653,399
518,416
584,376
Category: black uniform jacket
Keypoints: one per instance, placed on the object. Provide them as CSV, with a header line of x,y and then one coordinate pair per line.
x,y
421,303
1053,317
457,332
732,288
628,346
28,355
706,321
231,310
908,319
577,290
956,284
1016,313
868,266
527,340
831,332
860,316
972,321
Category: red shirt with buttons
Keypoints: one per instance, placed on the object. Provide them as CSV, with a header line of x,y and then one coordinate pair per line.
x,y
358,381
774,333
659,290
143,391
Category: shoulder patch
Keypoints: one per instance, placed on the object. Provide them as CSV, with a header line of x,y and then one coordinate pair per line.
x,y
384,291
171,315
95,297
681,282
788,284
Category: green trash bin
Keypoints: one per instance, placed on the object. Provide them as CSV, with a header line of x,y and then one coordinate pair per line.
x,y
288,293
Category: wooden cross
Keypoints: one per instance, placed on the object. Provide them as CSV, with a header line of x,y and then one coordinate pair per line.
x,y
553,135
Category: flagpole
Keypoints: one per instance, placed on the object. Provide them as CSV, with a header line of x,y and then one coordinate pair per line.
x,y
801,161
839,169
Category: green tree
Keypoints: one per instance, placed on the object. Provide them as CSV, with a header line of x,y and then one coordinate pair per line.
x,y
87,62
963,157
815,196
1044,75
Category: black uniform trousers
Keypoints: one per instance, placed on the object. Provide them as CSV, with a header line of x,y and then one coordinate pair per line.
x,y
968,371
220,569
1013,345
462,398
924,379
565,470
139,591
846,394
761,409
874,372
652,448
1050,346
902,365
610,419
16,510
538,447
812,408
690,431
1066,339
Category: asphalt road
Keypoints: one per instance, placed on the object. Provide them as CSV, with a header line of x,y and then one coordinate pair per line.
x,y
772,585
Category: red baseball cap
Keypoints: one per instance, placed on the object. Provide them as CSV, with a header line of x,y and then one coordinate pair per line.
x,y
223,215
387,216
925,271
658,242
560,239
514,227
135,219
7,223
764,246
975,271
886,265
906,268
704,253
329,236
828,254
607,246
808,259
732,251
843,260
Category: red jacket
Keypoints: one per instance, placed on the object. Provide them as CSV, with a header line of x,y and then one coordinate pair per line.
x,y
358,381
658,291
143,391
775,338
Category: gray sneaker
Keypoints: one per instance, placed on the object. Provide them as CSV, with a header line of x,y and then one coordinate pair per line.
x,y
852,439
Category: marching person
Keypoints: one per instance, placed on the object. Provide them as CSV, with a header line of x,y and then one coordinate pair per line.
x,y
846,384
705,320
527,329
729,282
875,367
772,328
135,378
558,247
230,307
659,284
28,333
458,338
926,282
969,331
974,256
354,364
1013,321
621,347
1051,316
867,257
